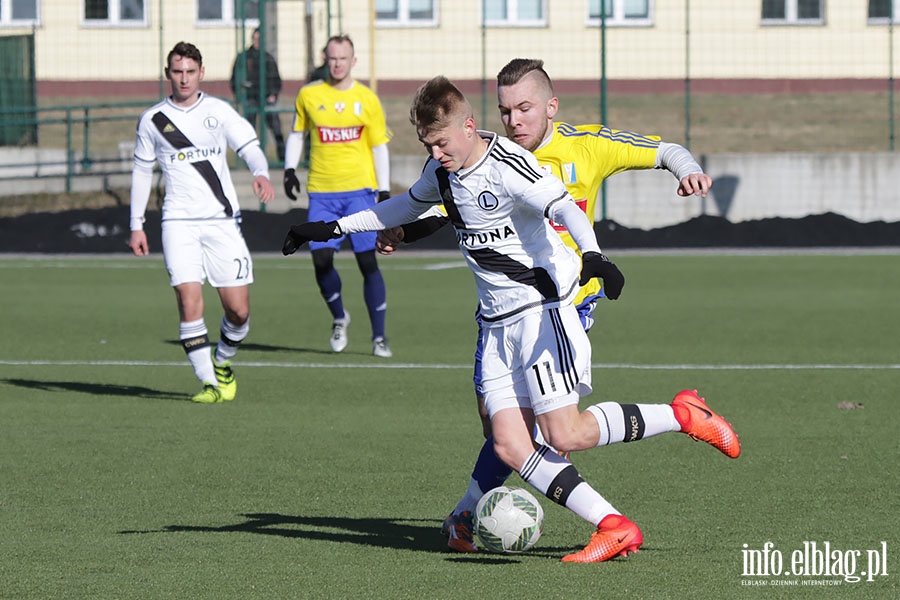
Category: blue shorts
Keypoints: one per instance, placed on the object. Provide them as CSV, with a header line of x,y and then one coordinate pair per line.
x,y
585,313
331,206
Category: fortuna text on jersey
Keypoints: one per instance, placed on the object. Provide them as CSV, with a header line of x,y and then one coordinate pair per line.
x,y
477,239
194,154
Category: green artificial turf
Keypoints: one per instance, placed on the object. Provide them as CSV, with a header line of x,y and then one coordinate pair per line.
x,y
329,475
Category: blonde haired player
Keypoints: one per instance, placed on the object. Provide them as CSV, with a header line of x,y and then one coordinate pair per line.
x,y
536,362
349,162
582,157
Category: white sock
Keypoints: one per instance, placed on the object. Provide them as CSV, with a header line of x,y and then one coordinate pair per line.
x,y
632,422
195,341
230,337
471,498
558,479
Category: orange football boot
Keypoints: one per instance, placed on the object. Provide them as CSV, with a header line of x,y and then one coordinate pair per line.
x,y
616,536
458,528
702,424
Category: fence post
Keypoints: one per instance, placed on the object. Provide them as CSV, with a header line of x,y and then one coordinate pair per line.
x,y
86,157
687,74
603,103
484,62
891,75
70,154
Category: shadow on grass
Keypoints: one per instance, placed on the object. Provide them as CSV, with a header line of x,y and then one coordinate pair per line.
x,y
245,346
97,389
405,534
420,535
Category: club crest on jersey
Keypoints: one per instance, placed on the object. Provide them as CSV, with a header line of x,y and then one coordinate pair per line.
x,y
210,122
488,201
357,108
340,106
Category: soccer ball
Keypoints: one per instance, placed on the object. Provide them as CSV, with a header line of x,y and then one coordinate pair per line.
x,y
508,520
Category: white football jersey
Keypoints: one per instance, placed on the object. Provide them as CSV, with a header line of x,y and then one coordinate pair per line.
x,y
499,208
191,147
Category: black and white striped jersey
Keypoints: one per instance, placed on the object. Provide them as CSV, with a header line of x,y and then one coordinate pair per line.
x,y
191,146
499,209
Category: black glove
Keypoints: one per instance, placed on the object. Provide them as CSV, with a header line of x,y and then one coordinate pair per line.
x,y
317,231
383,195
291,183
594,264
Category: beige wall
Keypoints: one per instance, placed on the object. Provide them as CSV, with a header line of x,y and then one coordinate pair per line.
x,y
726,41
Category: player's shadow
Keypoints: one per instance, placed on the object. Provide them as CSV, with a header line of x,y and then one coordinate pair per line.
x,y
97,389
420,535
270,348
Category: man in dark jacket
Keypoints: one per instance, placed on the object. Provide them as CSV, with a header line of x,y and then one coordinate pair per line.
x,y
245,74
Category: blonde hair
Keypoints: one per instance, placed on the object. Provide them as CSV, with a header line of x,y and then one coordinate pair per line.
x,y
516,69
437,103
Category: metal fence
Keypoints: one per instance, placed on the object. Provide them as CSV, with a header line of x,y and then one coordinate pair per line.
x,y
680,77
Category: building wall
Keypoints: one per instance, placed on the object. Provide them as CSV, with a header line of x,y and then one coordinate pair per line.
x,y
726,40
746,187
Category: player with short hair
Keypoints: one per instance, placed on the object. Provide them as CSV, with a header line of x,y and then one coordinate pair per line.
x,y
188,134
582,157
349,161
536,361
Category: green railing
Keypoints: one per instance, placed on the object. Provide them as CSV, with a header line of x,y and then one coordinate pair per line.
x,y
94,129
78,140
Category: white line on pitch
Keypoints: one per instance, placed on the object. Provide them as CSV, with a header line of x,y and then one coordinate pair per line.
x,y
438,366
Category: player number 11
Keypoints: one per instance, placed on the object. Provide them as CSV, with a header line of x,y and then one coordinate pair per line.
x,y
537,373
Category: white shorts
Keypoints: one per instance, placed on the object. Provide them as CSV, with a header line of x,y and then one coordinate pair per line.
x,y
542,362
203,250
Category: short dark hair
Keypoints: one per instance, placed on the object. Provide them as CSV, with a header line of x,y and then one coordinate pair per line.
x,y
186,50
435,102
518,68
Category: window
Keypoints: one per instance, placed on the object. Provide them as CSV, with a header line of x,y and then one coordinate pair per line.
x,y
18,12
515,13
114,12
620,12
793,12
880,10
406,12
226,12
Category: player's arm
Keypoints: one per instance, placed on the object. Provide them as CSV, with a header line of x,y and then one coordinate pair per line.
x,y
680,162
293,150
241,137
384,215
382,160
593,262
428,223
253,155
141,184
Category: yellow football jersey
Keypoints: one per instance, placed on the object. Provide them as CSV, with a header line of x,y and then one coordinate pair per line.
x,y
582,157
344,126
